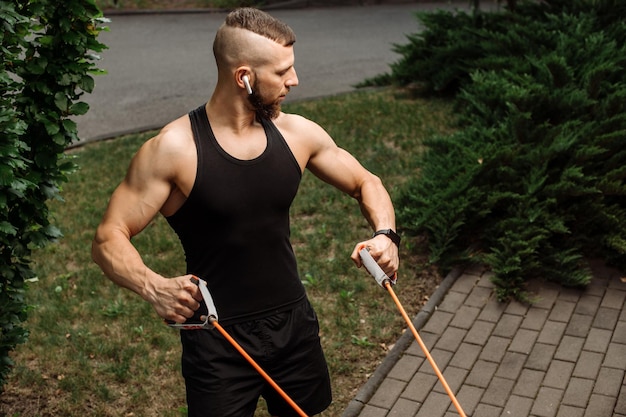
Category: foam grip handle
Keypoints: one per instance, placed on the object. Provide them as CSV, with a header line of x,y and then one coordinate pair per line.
x,y
373,268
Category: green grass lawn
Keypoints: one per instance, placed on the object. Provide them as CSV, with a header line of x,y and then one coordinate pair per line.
x,y
99,350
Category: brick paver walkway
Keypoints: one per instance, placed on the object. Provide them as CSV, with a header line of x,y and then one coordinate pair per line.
x,y
564,356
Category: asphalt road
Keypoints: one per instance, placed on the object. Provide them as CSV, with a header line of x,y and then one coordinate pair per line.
x,y
160,66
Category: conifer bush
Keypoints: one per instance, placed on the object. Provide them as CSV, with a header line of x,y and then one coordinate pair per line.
x,y
532,183
45,67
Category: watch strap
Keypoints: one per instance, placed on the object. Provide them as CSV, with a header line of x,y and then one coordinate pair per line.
x,y
395,238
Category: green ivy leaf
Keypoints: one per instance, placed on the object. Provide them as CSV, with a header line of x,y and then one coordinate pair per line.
x,y
7,228
61,101
79,108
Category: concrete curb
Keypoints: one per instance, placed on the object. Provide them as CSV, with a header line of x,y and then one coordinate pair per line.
x,y
290,4
369,388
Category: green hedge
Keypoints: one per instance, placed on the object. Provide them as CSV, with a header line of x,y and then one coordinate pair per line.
x,y
532,183
45,67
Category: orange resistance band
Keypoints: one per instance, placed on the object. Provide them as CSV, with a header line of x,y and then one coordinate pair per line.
x,y
426,352
259,369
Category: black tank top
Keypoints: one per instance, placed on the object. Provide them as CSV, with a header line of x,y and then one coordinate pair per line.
x,y
234,225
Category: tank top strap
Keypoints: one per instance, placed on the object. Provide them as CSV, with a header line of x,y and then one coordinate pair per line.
x,y
200,126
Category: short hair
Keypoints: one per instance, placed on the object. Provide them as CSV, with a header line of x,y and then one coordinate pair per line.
x,y
261,23
230,47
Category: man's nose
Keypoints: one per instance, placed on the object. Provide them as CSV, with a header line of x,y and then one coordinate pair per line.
x,y
292,81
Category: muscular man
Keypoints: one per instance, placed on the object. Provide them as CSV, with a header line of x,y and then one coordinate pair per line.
x,y
224,177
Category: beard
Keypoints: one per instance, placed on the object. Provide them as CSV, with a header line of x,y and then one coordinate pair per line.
x,y
262,109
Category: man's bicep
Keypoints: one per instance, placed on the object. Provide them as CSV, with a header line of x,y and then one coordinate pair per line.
x,y
125,213
339,168
138,198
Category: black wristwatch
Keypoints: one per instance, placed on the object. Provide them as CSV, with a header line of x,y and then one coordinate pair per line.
x,y
395,238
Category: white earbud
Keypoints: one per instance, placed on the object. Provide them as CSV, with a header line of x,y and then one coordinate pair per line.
x,y
246,82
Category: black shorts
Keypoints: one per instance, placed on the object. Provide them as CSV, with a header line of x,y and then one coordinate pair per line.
x,y
221,383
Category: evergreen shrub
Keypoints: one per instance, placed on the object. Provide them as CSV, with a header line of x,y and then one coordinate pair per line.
x,y
532,183
45,66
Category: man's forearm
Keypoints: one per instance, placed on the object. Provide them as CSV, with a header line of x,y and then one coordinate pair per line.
x,y
121,263
376,205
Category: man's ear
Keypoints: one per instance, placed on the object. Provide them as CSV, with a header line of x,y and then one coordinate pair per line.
x,y
242,76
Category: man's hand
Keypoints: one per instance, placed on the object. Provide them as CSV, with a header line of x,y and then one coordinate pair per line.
x,y
174,299
384,252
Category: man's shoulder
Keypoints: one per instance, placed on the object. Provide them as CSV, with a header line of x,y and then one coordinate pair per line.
x,y
175,135
292,121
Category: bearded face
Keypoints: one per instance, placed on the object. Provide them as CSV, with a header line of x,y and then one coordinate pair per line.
x,y
264,108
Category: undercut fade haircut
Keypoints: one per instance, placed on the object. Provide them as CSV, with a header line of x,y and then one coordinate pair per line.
x,y
261,23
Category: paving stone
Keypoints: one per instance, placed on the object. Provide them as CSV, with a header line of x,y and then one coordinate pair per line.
x,y
465,356
492,311
435,406
606,318
535,318
619,334
562,311
468,397
495,349
552,332
569,411
547,402
609,381
438,322
475,270
486,280
498,391
547,298
588,365
598,340
371,411
387,393
540,357
403,408
511,365
507,325
600,405
615,356
464,317
419,387
486,410
523,341
479,333
569,294
517,406
558,374
614,299
564,356
569,349
478,297
451,339
620,407
454,377
579,325
441,358
405,367
597,287
588,305
517,309
528,383
578,392
452,302
429,339
465,283
481,374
